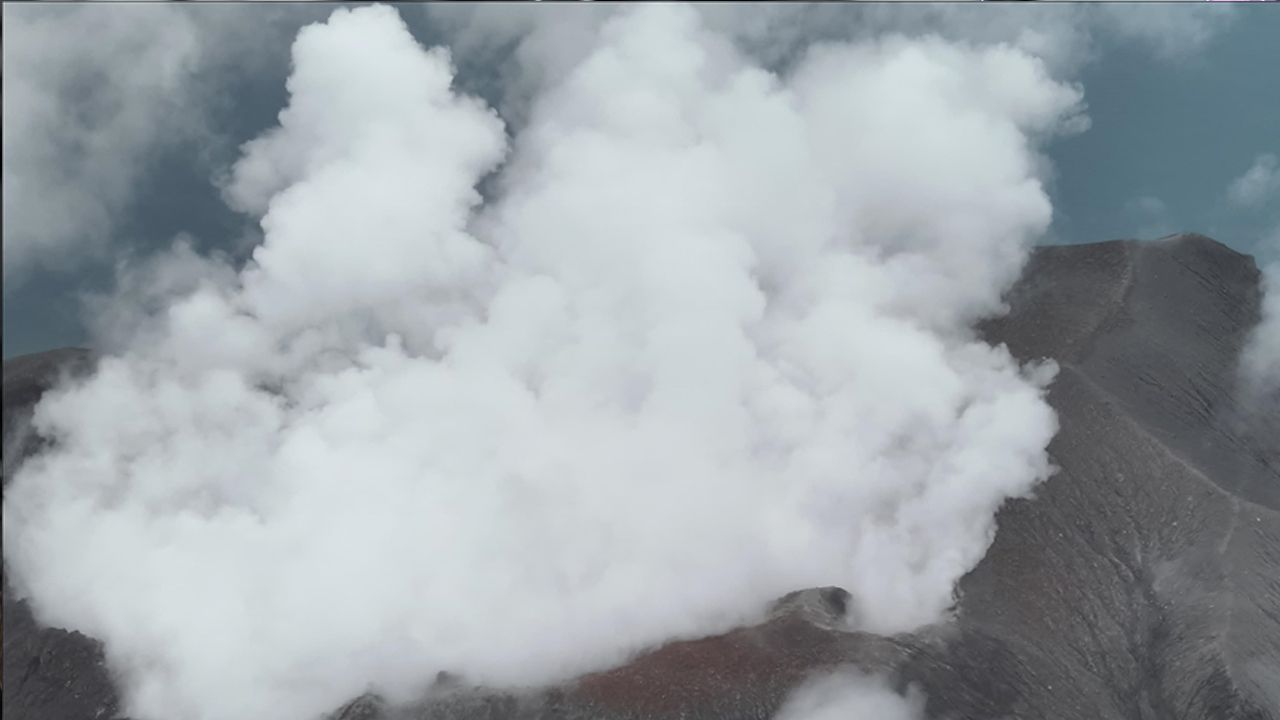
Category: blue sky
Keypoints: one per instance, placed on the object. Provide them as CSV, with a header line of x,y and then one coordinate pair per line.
x,y
1170,132
1178,131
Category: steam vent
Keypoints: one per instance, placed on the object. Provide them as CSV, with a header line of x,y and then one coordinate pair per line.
x,y
1142,581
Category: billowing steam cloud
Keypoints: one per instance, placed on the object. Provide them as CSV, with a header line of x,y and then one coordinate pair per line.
x,y
1258,190
544,42
706,343
94,95
849,696
100,92
1260,361
67,173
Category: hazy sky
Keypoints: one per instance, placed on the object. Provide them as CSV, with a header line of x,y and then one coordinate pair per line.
x,y
1172,129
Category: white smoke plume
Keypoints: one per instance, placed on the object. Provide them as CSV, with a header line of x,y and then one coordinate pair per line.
x,y
849,696
1260,360
101,91
707,343
544,42
94,93
1257,190
67,169
145,287
1258,185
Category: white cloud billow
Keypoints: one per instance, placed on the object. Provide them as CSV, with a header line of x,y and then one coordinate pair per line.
x,y
849,695
78,125
1260,361
528,46
1258,190
1261,358
95,93
708,343
1258,184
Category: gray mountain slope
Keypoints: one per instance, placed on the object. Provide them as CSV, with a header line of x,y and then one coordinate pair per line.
x,y
1142,581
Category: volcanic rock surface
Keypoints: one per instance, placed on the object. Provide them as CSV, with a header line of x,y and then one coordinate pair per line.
x,y
1141,582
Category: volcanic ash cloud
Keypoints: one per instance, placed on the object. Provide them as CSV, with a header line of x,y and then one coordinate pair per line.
x,y
707,342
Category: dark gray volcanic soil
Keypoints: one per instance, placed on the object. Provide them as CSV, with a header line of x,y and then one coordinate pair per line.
x,y
1141,582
